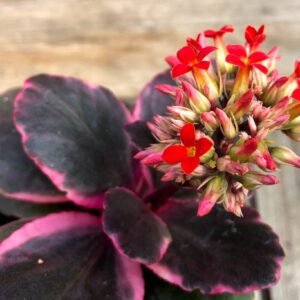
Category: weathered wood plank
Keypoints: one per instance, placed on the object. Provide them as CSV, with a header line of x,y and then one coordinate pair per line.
x,y
122,43
280,207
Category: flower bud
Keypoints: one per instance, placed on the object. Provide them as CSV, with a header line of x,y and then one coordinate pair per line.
x,y
293,133
209,121
228,125
183,112
243,149
225,164
153,159
263,158
254,179
270,97
240,106
252,125
214,190
198,102
294,110
284,155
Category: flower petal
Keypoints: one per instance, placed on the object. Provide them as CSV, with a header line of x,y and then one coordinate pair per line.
x,y
204,65
235,60
261,68
186,54
257,56
296,94
180,69
187,135
174,154
205,51
237,50
189,164
203,145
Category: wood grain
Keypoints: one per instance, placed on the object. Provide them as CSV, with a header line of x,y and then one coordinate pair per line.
x,y
121,44
280,206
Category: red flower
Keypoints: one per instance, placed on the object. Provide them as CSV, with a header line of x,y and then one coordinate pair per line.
x,y
190,58
217,33
190,152
255,37
237,55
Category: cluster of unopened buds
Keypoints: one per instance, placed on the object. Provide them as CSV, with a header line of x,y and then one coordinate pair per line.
x,y
216,135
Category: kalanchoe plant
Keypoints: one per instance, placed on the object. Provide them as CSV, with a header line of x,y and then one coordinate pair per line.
x,y
93,222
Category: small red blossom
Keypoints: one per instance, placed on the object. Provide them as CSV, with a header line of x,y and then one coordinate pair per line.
x,y
218,33
237,55
197,43
189,58
191,150
255,37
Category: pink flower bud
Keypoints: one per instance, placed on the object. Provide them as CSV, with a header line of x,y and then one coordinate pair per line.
x,y
153,159
172,60
215,188
205,207
209,121
228,126
244,149
183,112
284,155
232,167
167,89
254,179
252,125
198,102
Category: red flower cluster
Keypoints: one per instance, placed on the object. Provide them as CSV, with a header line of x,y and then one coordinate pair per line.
x,y
223,113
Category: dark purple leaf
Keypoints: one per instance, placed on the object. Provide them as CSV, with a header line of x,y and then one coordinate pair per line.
x,y
158,289
140,134
19,176
151,102
7,229
134,229
24,209
220,252
66,256
75,133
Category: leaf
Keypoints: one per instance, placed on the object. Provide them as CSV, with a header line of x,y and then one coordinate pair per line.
x,y
66,256
22,209
150,101
158,289
140,134
218,253
75,133
19,177
134,229
7,229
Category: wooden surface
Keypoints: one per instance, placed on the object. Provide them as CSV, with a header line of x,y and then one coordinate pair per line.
x,y
121,44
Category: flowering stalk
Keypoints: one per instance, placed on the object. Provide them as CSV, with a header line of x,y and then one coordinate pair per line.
x,y
216,134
